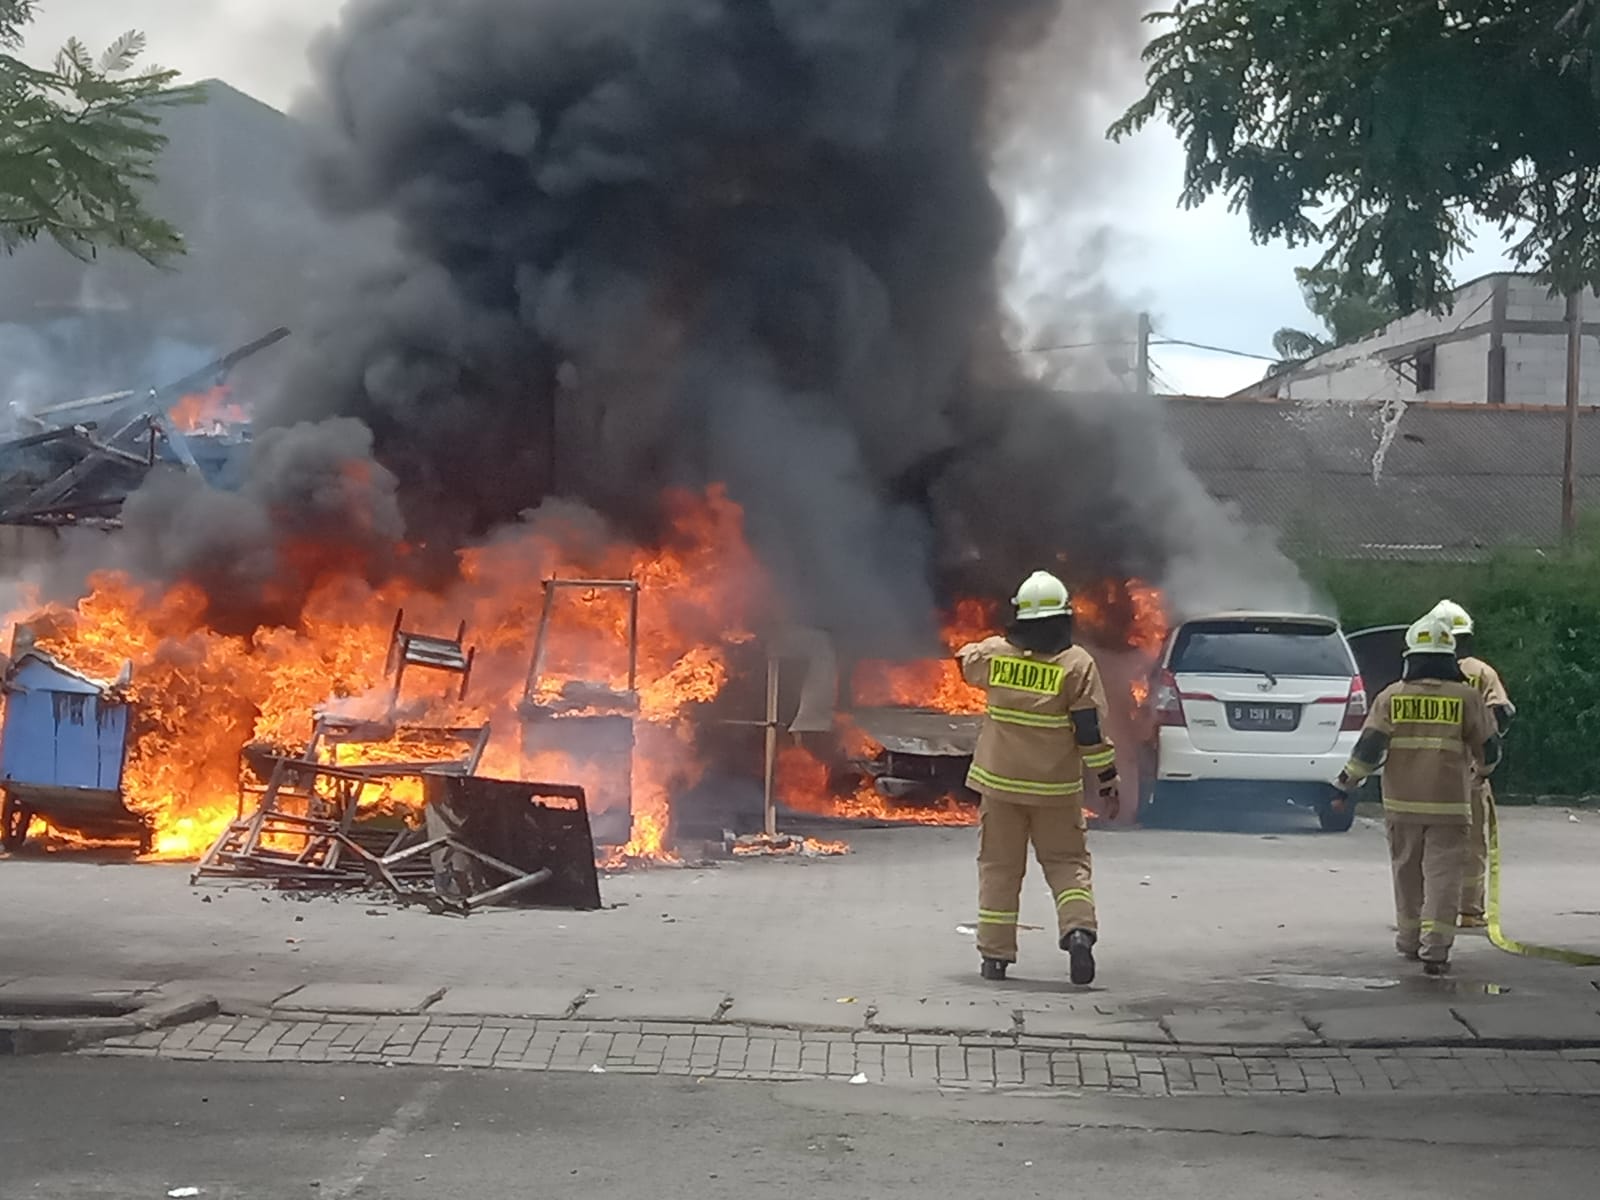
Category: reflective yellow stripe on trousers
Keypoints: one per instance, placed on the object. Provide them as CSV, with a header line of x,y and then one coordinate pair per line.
x,y
1421,808
1071,894
1026,787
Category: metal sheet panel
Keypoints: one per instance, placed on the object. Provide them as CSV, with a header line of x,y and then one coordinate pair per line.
x,y
598,750
60,732
920,732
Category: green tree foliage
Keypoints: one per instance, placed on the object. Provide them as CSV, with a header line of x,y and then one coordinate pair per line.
x,y
1296,345
1386,126
78,143
1349,308
1347,312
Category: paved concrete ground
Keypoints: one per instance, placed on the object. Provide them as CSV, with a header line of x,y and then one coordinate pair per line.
x,y
1016,1064
1275,937
110,1130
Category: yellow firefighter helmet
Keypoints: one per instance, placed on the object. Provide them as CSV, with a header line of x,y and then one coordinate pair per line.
x,y
1042,595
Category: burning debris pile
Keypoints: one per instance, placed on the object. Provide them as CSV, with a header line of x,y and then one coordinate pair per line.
x,y
204,700
695,295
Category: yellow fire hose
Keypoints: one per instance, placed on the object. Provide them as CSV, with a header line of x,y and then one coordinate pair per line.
x,y
1497,936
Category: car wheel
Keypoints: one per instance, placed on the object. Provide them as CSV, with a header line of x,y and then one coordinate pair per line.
x,y
1337,820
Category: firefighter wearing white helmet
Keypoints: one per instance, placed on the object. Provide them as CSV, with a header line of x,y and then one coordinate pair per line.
x,y
1430,733
1493,690
1044,727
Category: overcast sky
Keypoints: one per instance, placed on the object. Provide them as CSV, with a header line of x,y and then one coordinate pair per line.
x,y
1197,271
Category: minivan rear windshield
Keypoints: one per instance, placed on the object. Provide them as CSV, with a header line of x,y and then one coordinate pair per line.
x,y
1260,648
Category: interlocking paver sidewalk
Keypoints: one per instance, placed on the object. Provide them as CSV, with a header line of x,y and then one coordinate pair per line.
x,y
1020,1064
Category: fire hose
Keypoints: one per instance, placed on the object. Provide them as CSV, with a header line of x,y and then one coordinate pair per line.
x,y
1497,935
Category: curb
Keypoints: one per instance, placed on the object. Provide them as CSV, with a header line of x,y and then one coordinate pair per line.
x,y
55,1035
1015,1038
74,1014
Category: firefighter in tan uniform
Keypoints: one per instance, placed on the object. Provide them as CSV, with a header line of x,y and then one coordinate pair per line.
x,y
1493,690
1044,726
1428,732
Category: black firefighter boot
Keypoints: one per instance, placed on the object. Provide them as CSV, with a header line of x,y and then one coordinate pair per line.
x,y
994,969
1079,945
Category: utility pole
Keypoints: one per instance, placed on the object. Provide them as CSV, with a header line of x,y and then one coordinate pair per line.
x,y
1142,368
1569,506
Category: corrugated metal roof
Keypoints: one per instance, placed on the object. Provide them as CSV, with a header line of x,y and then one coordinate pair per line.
x,y
1455,482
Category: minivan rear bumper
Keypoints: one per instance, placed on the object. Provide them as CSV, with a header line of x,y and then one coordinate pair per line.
x,y
1177,761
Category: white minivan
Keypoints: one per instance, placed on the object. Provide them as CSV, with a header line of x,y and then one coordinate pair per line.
x,y
1252,709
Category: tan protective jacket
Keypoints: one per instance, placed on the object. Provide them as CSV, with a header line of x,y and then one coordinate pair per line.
x,y
1488,683
1493,690
1028,750
1435,731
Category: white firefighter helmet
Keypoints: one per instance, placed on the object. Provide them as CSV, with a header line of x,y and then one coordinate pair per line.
x,y
1460,619
1431,635
1042,595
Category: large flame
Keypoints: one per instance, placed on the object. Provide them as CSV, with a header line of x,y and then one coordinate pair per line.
x,y
201,697
931,683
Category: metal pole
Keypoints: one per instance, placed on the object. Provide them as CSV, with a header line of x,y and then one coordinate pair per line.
x,y
633,637
771,807
1142,367
1569,508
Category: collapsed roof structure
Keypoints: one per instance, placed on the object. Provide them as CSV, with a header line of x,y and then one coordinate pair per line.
x,y
81,460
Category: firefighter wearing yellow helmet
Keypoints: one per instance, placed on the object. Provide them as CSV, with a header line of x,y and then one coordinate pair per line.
x,y
1493,690
1429,732
1045,725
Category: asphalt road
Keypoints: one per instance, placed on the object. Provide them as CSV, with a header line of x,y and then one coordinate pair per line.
x,y
77,1129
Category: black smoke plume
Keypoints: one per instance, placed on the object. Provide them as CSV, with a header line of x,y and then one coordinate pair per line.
x,y
671,242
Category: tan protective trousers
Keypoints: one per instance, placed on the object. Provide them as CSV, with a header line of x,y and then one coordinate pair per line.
x,y
1059,835
1427,861
1475,875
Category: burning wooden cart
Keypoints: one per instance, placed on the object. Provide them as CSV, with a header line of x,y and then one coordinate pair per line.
x,y
62,750
588,722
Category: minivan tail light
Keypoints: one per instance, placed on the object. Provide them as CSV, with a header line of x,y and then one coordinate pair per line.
x,y
1168,704
1355,708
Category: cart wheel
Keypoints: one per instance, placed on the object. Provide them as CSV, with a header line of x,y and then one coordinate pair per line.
x,y
14,821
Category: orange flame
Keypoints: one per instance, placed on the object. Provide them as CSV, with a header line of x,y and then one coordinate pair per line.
x,y
203,412
803,784
201,697
929,683
1120,617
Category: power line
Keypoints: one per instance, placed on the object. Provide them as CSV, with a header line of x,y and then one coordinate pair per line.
x,y
1166,341
1160,379
1069,346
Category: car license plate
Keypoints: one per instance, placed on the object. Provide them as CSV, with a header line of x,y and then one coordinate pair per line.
x,y
1270,718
